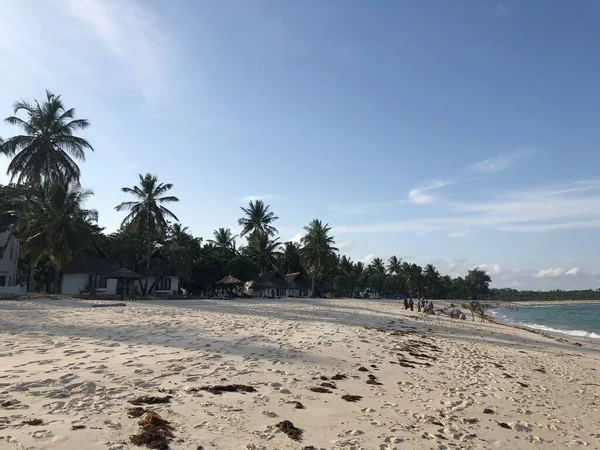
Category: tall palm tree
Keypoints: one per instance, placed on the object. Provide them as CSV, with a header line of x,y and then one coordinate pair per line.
x,y
290,259
223,239
377,266
49,145
432,279
147,214
394,265
54,223
257,218
262,250
318,248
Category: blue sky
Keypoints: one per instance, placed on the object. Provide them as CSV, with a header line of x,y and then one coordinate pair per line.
x,y
460,133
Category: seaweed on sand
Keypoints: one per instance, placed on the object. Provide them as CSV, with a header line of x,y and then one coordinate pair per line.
x,y
339,376
351,398
319,390
33,422
218,390
292,432
150,400
297,405
156,432
138,411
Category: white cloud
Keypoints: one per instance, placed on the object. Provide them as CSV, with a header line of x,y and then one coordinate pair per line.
x,y
573,271
345,245
544,273
422,194
131,33
264,198
492,269
562,206
459,234
92,43
499,162
298,238
367,259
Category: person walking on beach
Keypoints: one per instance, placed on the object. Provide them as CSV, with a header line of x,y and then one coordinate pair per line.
x,y
411,304
405,303
422,308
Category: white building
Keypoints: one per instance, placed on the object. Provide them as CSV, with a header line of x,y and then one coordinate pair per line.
x,y
9,259
273,285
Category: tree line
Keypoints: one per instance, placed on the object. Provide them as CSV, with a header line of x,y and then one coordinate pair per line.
x,y
45,206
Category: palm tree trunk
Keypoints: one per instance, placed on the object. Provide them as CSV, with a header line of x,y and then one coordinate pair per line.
x,y
149,249
314,278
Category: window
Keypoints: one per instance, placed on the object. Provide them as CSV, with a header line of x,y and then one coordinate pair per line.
x,y
164,284
97,281
2,280
281,292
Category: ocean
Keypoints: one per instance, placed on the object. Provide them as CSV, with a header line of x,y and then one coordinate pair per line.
x,y
576,320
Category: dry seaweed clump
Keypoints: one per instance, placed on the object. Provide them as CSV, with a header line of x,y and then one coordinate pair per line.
x,y
218,390
292,432
33,422
137,411
150,400
319,390
351,398
339,376
156,432
297,405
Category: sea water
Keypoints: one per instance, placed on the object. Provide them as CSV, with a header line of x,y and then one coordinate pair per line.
x,y
575,319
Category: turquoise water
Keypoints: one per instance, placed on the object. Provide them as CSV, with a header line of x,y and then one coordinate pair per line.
x,y
577,320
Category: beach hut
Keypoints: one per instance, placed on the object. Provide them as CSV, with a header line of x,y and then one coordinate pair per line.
x,y
298,285
229,283
270,284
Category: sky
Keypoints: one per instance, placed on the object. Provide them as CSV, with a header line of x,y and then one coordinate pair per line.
x,y
463,134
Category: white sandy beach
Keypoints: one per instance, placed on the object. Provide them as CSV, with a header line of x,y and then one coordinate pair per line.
x,y
68,364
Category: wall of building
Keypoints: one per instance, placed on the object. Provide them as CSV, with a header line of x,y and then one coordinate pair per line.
x,y
75,283
9,260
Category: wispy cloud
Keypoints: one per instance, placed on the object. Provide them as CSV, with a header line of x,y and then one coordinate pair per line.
x,y
264,198
368,258
345,245
297,238
131,33
422,194
459,234
500,162
569,205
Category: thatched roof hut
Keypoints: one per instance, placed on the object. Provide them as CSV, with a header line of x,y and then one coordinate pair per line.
x,y
229,280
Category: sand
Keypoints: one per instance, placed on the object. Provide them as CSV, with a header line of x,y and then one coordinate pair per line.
x,y
416,381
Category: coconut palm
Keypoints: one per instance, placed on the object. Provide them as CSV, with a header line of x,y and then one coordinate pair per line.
x,y
257,218
317,248
290,259
394,265
49,145
54,223
431,279
377,266
223,239
148,215
262,250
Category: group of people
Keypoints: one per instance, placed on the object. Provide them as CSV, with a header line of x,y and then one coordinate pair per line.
x,y
427,308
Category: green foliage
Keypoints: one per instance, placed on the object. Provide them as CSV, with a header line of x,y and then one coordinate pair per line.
x,y
318,251
479,282
49,147
10,206
257,218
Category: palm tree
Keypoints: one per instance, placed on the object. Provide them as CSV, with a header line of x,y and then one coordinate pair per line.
x,y
290,259
49,145
432,279
223,239
377,266
54,223
394,265
147,215
318,248
262,250
257,218
412,277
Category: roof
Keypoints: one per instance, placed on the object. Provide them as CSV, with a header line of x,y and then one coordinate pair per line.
x,y
229,280
270,280
158,267
297,280
125,273
91,261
